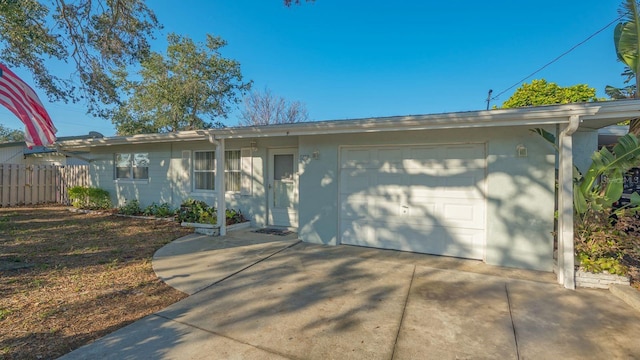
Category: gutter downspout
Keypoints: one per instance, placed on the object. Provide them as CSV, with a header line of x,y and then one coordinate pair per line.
x,y
221,203
566,262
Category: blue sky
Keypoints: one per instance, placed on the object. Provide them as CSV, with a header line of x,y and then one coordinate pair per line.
x,y
355,59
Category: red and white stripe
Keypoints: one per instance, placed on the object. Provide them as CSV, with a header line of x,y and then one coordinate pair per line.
x,y
18,97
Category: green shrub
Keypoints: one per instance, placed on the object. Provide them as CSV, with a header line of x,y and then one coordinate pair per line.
x,y
234,217
89,198
130,207
162,210
196,211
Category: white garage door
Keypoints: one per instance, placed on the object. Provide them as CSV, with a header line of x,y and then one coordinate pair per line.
x,y
427,199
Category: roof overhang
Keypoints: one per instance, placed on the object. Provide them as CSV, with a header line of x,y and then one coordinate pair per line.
x,y
592,116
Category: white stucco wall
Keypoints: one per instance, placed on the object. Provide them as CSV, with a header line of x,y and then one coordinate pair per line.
x,y
519,189
170,176
585,142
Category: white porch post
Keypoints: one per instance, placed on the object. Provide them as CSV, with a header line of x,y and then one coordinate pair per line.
x,y
220,188
566,271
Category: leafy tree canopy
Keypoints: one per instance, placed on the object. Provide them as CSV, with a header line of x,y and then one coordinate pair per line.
x,y
626,38
191,87
264,108
541,92
95,36
10,135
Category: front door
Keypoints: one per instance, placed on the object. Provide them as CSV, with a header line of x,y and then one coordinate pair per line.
x,y
282,188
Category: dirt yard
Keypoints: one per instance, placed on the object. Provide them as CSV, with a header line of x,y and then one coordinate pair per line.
x,y
69,278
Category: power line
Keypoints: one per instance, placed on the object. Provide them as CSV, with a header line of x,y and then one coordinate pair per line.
x,y
560,56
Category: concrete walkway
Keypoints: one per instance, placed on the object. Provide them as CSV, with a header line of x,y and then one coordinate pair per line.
x,y
270,297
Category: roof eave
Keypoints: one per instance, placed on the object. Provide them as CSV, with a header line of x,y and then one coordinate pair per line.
x,y
593,115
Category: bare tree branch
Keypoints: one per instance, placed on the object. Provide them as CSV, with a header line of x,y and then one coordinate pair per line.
x,y
264,108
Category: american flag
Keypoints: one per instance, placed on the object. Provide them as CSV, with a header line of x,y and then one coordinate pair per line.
x,y
18,97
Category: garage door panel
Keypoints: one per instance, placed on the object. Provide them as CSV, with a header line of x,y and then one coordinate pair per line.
x,y
356,156
390,156
354,208
418,191
357,182
420,210
368,207
426,199
443,212
394,181
422,238
446,157
463,215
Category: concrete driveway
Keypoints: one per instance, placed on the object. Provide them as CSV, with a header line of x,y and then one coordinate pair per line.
x,y
270,297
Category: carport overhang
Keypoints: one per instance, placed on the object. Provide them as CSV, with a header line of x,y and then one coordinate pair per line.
x,y
569,117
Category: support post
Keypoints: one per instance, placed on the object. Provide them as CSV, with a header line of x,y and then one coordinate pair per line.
x,y
566,263
220,188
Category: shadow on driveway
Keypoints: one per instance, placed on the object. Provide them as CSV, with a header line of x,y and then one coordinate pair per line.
x,y
285,299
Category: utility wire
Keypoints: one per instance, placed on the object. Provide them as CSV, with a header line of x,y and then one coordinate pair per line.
x,y
559,57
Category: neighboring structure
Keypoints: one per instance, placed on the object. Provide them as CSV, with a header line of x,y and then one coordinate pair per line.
x,y
18,153
476,185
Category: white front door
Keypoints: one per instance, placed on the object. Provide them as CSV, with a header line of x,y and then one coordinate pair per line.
x,y
282,187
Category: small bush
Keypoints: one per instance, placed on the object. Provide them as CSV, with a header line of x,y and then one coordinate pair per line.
x,y
130,207
89,198
196,211
162,210
234,217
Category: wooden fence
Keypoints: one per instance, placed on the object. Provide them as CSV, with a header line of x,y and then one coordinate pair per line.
x,y
39,184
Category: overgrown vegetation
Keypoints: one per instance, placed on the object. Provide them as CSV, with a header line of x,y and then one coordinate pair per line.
x,y
606,242
90,198
605,233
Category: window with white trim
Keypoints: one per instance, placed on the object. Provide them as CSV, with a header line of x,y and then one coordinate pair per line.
x,y
204,170
132,166
232,170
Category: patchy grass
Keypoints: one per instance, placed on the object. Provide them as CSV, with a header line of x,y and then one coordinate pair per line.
x,y
69,278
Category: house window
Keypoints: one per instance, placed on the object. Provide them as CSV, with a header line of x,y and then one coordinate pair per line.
x,y
132,166
204,171
232,170
204,174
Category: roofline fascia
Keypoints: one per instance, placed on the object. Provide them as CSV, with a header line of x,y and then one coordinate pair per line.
x,y
533,116
490,118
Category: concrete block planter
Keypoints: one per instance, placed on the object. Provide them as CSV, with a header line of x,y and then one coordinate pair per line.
x,y
599,281
204,229
214,230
